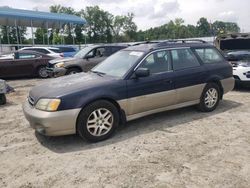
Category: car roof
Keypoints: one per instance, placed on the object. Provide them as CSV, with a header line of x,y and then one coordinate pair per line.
x,y
109,45
154,45
41,47
30,51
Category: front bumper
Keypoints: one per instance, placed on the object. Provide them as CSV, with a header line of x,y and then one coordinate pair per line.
x,y
56,72
51,123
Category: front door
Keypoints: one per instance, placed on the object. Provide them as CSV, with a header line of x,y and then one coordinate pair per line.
x,y
156,91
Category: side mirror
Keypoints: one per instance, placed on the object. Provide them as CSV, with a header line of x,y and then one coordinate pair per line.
x,y
142,72
88,56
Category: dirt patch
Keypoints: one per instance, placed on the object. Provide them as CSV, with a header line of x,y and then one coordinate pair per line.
x,y
180,148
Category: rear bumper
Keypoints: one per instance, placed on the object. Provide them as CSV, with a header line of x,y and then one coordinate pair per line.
x,y
51,123
56,72
228,84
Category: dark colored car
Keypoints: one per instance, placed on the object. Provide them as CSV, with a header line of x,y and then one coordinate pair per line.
x,y
68,51
83,61
23,63
134,82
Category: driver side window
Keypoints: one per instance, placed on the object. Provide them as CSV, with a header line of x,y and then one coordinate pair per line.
x,y
158,62
97,52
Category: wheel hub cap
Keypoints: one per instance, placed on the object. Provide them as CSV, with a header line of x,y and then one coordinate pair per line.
x,y
211,98
100,122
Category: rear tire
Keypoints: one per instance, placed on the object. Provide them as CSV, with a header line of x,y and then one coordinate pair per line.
x,y
42,72
2,99
73,71
210,98
98,121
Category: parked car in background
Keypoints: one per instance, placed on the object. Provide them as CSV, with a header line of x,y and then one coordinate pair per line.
x,y
49,51
240,60
132,83
83,61
3,91
24,63
68,51
236,47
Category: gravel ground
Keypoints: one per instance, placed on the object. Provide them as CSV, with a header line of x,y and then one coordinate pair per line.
x,y
180,148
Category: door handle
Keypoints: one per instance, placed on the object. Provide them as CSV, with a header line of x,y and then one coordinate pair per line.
x,y
168,81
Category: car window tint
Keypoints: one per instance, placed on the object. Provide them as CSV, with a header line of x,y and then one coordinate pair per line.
x,y
99,52
26,56
115,49
183,58
209,55
67,49
39,50
55,50
157,62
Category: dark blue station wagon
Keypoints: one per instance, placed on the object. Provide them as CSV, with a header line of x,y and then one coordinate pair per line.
x,y
134,82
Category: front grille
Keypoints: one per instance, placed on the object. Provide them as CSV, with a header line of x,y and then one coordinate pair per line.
x,y
31,101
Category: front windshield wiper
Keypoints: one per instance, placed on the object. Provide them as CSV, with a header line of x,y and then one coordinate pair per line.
x,y
97,72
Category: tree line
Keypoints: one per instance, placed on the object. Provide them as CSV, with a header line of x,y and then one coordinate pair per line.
x,y
102,26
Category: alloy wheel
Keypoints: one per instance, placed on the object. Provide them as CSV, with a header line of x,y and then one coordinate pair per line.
x,y
100,122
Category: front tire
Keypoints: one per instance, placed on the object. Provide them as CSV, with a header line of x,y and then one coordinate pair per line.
x,y
2,99
42,72
210,98
73,71
98,121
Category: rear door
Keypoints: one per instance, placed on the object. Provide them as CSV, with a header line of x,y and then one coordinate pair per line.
x,y
23,64
190,75
155,91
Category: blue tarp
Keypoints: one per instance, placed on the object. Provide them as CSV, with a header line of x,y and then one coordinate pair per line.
x,y
39,19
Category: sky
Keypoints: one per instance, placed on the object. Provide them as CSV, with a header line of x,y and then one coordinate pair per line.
x,y
151,13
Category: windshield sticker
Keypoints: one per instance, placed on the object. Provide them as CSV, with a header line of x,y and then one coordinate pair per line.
x,y
136,53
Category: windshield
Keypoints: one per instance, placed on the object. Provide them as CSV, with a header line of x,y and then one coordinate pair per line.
x,y
83,52
119,63
238,56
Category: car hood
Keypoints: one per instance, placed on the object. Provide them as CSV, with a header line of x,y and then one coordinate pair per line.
x,y
62,86
59,60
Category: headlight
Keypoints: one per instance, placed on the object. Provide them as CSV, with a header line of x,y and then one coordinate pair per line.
x,y
59,65
49,105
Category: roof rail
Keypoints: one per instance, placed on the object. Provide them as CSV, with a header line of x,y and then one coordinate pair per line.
x,y
145,42
182,41
187,40
171,41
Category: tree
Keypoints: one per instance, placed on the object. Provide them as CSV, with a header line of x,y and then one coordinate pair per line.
x,y
203,27
99,24
41,36
12,31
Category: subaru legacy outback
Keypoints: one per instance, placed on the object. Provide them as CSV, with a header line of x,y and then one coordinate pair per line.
x,y
137,81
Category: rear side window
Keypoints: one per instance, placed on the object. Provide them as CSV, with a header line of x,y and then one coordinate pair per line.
x,y
55,50
209,55
43,51
183,59
26,56
67,49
